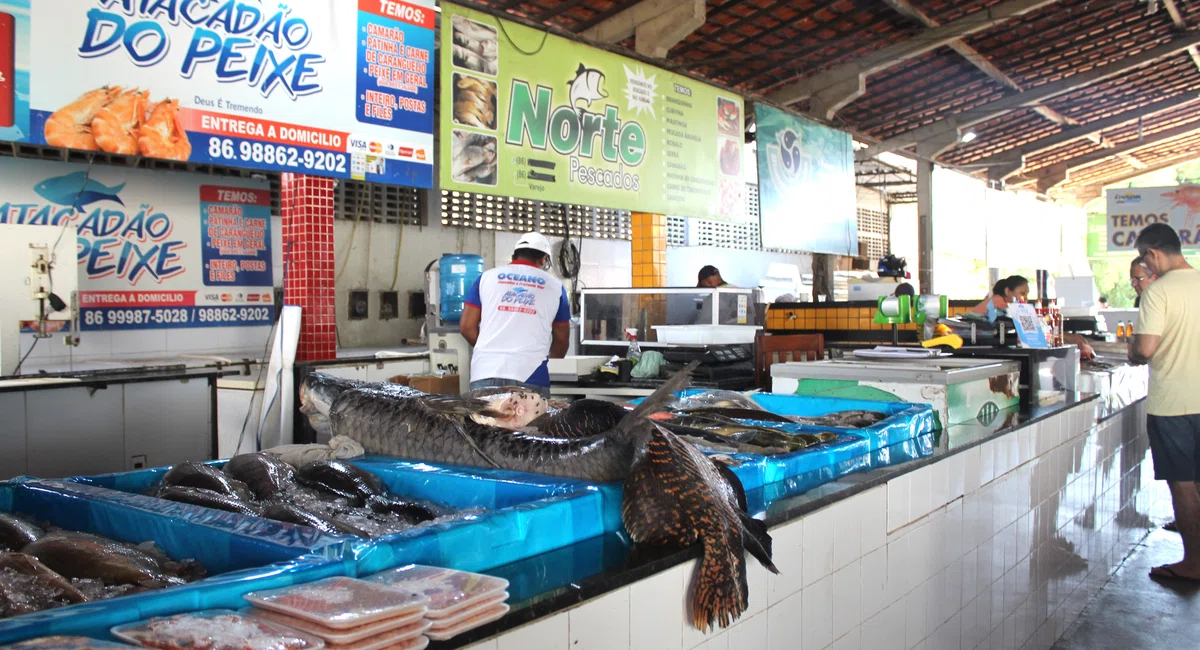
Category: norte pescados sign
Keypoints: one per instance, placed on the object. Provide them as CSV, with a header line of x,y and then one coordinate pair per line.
x,y
535,116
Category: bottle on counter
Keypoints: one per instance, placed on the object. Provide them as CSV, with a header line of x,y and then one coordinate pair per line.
x,y
1120,331
635,351
1129,331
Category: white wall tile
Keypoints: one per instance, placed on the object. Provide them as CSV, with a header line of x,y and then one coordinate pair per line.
x,y
818,545
899,571
987,462
490,644
749,634
972,474
939,484
818,614
919,494
546,634
957,475
851,641
847,532
758,580
785,624
874,509
653,602
788,555
847,599
873,575
952,545
601,624
881,632
916,604
898,490
946,637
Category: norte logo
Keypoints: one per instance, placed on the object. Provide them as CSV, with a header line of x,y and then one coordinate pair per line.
x,y
573,128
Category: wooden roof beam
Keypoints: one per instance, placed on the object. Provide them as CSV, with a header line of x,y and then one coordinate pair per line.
x,y
1061,172
829,91
954,124
1090,130
1095,190
1181,24
656,25
975,58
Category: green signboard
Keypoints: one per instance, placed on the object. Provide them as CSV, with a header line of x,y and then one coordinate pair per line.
x,y
535,116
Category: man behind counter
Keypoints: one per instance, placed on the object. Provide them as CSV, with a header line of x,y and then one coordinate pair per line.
x,y
710,277
517,316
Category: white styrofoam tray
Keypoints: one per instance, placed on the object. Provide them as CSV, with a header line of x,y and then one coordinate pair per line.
x,y
705,334
574,367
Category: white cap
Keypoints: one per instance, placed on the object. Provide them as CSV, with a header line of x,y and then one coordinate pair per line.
x,y
536,241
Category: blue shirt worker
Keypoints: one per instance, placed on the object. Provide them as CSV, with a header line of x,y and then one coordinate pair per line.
x,y
517,317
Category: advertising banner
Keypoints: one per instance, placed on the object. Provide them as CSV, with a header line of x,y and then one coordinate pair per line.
x,y
325,87
1131,209
535,116
156,250
806,192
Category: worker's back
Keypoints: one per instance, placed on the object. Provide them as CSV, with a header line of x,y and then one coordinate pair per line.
x,y
1170,308
519,304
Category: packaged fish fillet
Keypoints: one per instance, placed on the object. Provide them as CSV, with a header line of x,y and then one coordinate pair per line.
x,y
470,612
216,629
388,640
482,618
334,637
340,603
449,591
66,643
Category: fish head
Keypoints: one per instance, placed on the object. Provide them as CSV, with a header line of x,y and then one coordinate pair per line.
x,y
510,408
318,390
586,86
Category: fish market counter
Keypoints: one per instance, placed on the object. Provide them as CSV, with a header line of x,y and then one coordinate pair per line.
x,y
1000,531
62,424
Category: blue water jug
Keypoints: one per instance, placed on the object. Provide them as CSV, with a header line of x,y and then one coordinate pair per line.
x,y
458,273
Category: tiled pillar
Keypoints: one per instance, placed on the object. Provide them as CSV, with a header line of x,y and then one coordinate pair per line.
x,y
649,250
307,210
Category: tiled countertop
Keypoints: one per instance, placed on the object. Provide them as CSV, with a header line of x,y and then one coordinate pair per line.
x,y
555,581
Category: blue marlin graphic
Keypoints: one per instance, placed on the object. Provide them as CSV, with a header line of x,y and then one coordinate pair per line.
x,y
77,190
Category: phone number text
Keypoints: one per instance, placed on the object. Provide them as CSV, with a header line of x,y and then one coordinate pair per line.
x,y
276,156
115,318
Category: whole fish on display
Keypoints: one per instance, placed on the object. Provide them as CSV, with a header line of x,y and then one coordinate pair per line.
x,y
294,514
198,475
674,495
206,498
81,555
16,532
27,585
347,480
264,474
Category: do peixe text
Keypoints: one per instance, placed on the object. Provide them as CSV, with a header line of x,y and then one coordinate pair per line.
x,y
243,41
112,243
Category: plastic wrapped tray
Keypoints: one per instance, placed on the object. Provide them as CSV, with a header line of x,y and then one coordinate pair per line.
x,y
469,612
216,629
387,639
66,643
482,618
338,637
340,603
448,590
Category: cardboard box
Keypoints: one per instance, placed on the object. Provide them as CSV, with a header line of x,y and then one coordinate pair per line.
x,y
431,384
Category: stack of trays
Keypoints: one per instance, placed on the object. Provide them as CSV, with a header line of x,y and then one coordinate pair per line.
x,y
214,629
348,614
458,601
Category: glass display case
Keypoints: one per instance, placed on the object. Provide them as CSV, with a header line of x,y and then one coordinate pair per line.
x,y
607,313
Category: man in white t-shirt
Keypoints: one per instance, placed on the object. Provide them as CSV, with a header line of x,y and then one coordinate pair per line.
x,y
517,317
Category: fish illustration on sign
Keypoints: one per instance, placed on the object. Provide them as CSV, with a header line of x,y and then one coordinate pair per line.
x,y
1187,196
586,87
77,190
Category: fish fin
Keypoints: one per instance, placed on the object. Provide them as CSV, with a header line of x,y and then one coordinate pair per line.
x,y
631,427
719,592
757,541
735,484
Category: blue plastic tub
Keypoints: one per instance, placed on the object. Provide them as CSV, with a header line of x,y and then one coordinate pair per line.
x,y
525,514
239,557
904,422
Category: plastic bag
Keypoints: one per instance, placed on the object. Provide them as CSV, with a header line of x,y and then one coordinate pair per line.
x,y
340,447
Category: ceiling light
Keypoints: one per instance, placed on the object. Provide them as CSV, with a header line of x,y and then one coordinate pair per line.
x,y
967,137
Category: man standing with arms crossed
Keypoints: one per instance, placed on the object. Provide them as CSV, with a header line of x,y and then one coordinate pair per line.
x,y
1168,339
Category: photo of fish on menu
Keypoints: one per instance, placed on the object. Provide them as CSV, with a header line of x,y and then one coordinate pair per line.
x,y
476,51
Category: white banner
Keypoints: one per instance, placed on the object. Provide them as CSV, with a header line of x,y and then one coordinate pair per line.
x,y
1131,209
